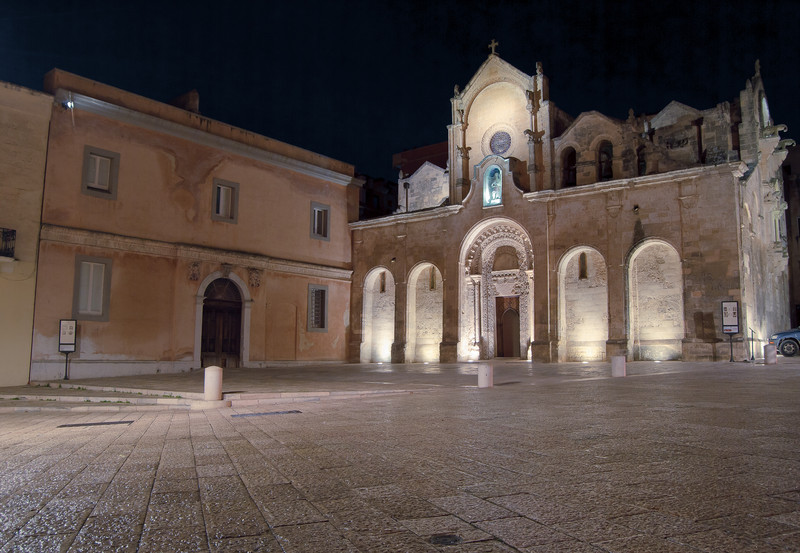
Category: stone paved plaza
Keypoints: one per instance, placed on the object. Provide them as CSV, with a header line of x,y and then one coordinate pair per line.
x,y
691,458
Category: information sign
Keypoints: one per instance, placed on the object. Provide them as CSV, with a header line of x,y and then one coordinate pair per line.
x,y
730,317
67,335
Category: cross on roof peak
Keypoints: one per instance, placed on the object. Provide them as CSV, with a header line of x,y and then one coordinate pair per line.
x,y
494,44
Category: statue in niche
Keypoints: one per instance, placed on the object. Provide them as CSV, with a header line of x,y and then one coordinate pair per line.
x,y
492,186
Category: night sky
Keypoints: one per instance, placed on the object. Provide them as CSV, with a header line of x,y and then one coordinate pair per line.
x,y
360,81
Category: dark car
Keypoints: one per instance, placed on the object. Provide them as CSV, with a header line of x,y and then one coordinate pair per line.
x,y
788,342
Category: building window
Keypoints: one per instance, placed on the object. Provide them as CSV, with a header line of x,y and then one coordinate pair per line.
x,y
320,221
92,288
583,270
100,173
605,155
383,282
317,308
225,201
432,279
8,242
569,168
641,162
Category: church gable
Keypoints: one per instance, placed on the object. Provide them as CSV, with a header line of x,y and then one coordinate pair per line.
x,y
672,113
493,70
426,188
588,128
498,118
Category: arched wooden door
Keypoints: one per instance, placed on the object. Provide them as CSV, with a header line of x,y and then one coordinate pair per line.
x,y
222,324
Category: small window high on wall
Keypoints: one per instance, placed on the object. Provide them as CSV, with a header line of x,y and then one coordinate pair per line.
x,y
605,155
569,168
320,221
226,201
583,271
641,162
100,173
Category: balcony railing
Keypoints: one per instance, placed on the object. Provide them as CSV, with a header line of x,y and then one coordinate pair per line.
x,y
9,239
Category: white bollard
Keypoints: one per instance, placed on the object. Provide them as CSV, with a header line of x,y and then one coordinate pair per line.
x,y
770,354
212,388
618,365
485,376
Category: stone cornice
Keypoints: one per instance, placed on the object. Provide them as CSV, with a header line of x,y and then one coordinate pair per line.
x,y
733,169
152,123
80,237
413,217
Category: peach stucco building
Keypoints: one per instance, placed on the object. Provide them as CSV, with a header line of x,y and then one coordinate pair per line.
x,y
24,124
177,242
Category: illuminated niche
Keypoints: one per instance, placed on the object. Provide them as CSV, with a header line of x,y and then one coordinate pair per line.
x,y
492,186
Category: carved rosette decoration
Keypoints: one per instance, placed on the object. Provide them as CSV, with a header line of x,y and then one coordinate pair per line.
x,y
483,285
254,277
194,270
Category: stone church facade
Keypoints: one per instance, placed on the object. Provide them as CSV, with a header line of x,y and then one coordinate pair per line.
x,y
560,238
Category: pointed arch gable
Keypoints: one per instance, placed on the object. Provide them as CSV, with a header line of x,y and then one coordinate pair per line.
x,y
608,125
494,70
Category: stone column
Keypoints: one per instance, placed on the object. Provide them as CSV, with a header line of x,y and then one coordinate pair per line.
x,y
356,313
542,284
617,343
451,306
400,272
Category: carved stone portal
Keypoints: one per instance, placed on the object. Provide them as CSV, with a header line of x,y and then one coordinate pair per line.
x,y
482,285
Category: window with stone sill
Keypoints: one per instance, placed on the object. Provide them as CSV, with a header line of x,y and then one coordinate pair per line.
x,y
92,288
317,308
100,173
225,201
320,221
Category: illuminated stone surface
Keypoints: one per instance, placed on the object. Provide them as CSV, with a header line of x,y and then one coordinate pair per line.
x,y
676,211
678,457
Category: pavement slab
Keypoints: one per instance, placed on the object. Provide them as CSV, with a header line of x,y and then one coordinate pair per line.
x,y
675,458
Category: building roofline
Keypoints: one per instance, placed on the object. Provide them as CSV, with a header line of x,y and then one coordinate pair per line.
x,y
131,108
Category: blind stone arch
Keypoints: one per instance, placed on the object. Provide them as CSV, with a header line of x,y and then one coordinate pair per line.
x,y
377,320
582,305
655,302
424,316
